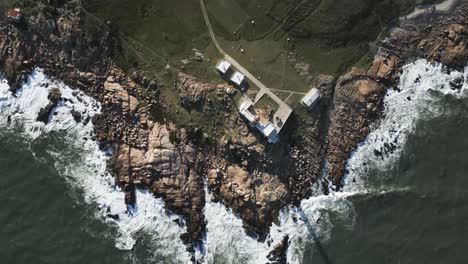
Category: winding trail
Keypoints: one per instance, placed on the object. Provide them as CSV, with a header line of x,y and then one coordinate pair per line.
x,y
284,110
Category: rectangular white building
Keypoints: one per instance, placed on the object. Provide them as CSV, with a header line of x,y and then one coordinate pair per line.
x,y
247,110
223,66
237,78
311,98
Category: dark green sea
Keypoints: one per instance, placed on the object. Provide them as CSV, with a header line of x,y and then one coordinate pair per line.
x,y
408,206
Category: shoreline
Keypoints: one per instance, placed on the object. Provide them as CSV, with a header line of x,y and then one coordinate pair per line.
x,y
172,162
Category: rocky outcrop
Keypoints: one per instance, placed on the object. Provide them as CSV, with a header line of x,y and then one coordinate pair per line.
x,y
170,167
193,91
358,94
150,154
253,178
278,254
356,102
257,196
154,155
308,151
54,97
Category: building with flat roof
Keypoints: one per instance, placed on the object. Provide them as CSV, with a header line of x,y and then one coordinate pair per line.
x,y
238,78
223,66
311,98
248,111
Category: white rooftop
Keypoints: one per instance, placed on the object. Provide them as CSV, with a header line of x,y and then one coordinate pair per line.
x,y
268,129
244,110
223,66
311,98
237,78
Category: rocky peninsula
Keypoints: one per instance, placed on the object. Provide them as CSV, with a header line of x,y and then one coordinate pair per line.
x,y
252,177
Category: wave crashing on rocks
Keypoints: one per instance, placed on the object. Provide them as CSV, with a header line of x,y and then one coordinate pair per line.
x,y
422,85
83,165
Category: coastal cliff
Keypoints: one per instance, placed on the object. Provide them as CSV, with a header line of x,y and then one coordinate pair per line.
x,y
253,178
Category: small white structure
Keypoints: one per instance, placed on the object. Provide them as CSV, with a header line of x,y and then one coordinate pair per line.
x,y
237,78
223,66
247,110
311,98
269,131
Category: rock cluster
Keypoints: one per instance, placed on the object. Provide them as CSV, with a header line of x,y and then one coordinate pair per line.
x,y
358,94
256,196
192,91
253,178
54,97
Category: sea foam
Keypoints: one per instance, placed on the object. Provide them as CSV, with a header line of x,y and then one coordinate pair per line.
x,y
83,164
422,85
421,88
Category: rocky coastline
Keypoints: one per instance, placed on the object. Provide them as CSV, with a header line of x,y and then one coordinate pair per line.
x,y
256,180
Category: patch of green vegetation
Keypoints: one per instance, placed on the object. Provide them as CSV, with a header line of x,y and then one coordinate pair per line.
x,y
257,12
232,19
339,22
228,14
267,59
210,118
330,35
266,103
329,60
165,30
6,4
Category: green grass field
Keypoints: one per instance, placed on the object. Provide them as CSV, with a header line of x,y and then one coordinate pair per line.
x,y
329,35
171,29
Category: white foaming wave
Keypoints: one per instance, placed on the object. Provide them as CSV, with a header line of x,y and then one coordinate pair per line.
x,y
422,85
228,242
227,239
84,166
317,215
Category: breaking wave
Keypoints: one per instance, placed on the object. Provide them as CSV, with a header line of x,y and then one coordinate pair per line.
x,y
421,88
419,96
83,164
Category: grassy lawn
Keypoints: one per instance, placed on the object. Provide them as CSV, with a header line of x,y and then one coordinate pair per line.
x,y
267,60
229,16
170,28
6,4
330,35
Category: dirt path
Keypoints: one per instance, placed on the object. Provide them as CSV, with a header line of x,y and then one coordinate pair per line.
x,y
284,110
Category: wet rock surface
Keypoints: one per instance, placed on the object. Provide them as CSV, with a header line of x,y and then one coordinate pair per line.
x,y
253,178
278,254
358,94
54,97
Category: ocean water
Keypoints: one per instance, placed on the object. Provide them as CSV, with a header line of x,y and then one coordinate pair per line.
x,y
407,205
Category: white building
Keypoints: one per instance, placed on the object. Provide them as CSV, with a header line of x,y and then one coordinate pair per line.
x,y
223,66
311,98
247,110
269,131
237,78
